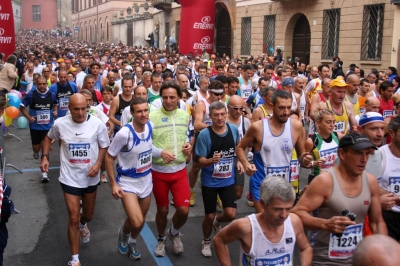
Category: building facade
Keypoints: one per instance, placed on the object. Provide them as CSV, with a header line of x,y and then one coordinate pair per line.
x,y
91,19
16,6
39,14
64,12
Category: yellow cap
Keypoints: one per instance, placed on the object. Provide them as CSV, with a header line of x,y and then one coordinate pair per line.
x,y
339,82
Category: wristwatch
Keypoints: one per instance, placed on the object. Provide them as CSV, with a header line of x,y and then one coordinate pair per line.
x,y
43,155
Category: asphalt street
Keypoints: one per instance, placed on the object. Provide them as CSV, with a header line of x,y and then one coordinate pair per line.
x,y
38,235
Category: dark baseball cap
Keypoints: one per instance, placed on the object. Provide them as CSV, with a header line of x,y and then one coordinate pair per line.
x,y
356,141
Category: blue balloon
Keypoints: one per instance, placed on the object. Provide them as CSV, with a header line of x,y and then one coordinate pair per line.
x,y
13,100
22,122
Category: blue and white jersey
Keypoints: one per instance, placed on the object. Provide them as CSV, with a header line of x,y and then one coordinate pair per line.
x,y
133,150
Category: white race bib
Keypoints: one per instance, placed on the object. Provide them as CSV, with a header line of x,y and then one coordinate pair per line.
x,y
223,169
394,184
43,117
294,170
79,153
144,162
330,155
280,171
343,247
387,113
246,94
339,126
63,102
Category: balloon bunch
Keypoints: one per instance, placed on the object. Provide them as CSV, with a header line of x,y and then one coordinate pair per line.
x,y
12,110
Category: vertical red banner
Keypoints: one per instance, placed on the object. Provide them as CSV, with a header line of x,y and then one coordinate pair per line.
x,y
197,26
7,33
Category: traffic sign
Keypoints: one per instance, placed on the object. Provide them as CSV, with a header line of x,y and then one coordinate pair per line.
x,y
76,28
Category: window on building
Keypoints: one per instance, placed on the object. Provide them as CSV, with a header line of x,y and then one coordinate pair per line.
x,y
246,37
107,31
330,33
269,34
36,16
371,41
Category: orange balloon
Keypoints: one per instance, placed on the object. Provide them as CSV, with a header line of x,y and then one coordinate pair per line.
x,y
12,112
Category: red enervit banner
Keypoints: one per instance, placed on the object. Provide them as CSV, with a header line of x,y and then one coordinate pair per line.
x,y
197,26
7,34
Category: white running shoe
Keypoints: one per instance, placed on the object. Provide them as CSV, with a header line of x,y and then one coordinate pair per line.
x,y
206,249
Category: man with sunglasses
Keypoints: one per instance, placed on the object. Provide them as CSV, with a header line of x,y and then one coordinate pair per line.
x,y
235,117
201,121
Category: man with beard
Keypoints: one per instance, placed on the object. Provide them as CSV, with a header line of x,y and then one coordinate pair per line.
x,y
274,140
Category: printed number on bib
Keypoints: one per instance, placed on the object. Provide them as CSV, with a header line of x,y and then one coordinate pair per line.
x,y
223,169
387,113
43,117
294,170
330,156
63,102
394,184
339,126
79,153
246,94
144,162
281,171
283,260
343,247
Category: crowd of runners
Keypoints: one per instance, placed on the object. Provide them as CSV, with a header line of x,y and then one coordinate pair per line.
x,y
137,116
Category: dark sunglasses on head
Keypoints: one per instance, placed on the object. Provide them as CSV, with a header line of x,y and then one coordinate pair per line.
x,y
218,94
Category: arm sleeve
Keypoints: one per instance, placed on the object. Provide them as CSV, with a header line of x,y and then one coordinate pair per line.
x,y
27,100
102,136
54,133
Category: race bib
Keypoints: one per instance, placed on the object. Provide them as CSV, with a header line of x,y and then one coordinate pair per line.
x,y
143,162
223,169
330,155
343,247
302,110
246,94
79,153
394,184
339,126
294,170
97,87
281,171
43,117
362,110
387,113
283,260
63,103
208,123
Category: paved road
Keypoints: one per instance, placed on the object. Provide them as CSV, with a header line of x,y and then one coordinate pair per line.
x,y
38,235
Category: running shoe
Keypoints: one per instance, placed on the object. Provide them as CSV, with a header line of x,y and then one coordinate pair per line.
x,y
177,246
250,202
217,226
45,178
160,248
74,263
206,249
85,234
134,253
219,203
192,198
122,242
36,155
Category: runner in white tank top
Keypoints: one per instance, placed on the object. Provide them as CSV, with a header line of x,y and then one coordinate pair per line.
x,y
269,237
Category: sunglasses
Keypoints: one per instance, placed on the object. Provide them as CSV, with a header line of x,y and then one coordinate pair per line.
x,y
217,94
45,71
236,107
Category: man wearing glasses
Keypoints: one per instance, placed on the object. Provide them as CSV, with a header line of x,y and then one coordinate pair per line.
x,y
201,121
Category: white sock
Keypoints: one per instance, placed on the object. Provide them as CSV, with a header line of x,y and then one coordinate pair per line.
x,y
81,226
75,258
174,232
131,240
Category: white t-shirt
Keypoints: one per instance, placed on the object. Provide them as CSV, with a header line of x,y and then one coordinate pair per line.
x,y
38,69
80,144
79,78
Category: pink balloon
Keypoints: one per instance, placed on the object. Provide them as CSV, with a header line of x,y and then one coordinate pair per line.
x,y
17,93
